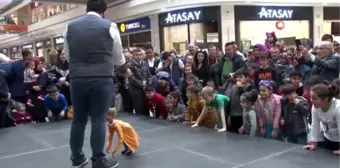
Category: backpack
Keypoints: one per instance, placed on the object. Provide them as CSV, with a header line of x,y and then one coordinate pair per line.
x,y
69,113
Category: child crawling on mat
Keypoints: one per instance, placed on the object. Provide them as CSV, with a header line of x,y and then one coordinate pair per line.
x,y
126,134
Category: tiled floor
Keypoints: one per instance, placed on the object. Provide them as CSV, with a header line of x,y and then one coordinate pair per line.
x,y
163,145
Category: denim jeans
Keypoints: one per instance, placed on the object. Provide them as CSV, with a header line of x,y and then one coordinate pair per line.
x,y
90,95
56,115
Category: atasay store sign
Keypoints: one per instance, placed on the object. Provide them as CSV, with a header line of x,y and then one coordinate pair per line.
x,y
269,13
184,16
273,13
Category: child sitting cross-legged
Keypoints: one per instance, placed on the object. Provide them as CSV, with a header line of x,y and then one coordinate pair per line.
x,y
249,125
216,102
176,111
126,134
55,104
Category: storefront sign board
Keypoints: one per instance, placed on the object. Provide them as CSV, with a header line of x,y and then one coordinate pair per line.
x,y
134,25
184,16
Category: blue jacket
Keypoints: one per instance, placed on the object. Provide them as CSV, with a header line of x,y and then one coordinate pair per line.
x,y
60,104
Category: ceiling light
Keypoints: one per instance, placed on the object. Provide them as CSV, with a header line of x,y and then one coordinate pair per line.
x,y
248,2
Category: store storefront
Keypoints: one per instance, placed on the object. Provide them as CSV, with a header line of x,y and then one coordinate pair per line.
x,y
331,23
41,11
135,33
58,42
4,51
289,23
27,46
15,52
200,26
42,47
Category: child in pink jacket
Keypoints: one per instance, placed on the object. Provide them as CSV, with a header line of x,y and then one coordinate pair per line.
x,y
268,108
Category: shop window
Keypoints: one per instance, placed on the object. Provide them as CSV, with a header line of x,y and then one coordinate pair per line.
x,y
291,30
125,41
139,39
175,37
196,33
327,29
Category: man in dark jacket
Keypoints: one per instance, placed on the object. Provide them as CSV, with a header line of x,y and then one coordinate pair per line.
x,y
16,77
325,64
138,81
230,63
5,97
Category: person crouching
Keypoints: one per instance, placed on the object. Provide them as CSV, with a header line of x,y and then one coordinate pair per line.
x,y
55,104
126,134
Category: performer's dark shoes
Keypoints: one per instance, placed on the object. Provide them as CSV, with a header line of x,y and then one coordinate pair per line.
x,y
104,163
124,152
129,153
81,163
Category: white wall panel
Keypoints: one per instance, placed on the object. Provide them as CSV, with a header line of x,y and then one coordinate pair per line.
x,y
155,39
228,24
318,24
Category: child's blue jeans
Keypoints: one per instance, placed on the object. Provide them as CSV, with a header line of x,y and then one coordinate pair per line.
x,y
56,115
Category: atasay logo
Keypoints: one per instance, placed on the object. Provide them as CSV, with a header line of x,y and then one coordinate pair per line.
x,y
275,13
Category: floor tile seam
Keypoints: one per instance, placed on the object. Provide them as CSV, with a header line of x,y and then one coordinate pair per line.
x,y
194,143
61,130
266,157
64,146
154,151
224,162
39,140
32,152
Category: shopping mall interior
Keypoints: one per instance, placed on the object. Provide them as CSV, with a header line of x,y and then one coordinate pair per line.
x,y
193,83
39,25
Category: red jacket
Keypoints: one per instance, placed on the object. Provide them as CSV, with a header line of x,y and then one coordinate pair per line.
x,y
157,105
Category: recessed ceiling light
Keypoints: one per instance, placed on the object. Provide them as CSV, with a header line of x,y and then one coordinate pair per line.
x,y
248,2
324,4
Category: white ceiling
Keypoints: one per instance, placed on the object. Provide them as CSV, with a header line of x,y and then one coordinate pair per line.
x,y
3,3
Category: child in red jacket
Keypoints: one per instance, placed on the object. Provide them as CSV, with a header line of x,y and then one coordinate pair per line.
x,y
155,103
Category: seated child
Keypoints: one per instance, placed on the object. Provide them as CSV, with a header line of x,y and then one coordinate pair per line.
x,y
216,102
249,125
195,107
30,80
127,136
268,108
155,103
325,111
176,111
294,115
55,104
188,81
164,84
